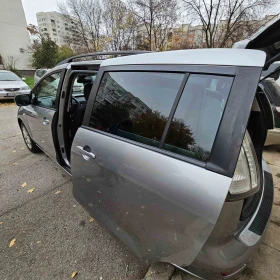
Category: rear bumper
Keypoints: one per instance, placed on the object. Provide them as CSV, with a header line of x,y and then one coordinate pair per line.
x,y
273,137
229,253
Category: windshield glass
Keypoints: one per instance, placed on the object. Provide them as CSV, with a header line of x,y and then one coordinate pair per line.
x,y
9,76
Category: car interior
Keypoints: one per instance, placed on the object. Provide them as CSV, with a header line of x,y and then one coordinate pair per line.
x,y
78,94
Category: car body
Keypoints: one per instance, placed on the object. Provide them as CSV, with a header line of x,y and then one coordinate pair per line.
x,y
11,85
39,73
158,146
272,90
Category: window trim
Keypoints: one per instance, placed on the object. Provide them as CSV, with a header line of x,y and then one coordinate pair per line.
x,y
62,71
173,109
187,70
152,148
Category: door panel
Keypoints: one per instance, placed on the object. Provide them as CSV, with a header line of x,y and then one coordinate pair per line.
x,y
40,122
162,208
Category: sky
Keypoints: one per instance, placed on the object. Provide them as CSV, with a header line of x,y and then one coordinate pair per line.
x,y
31,7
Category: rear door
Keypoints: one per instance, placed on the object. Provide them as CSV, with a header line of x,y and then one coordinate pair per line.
x,y
42,112
143,161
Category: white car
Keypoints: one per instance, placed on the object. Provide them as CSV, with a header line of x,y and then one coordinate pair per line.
x,y
39,73
11,85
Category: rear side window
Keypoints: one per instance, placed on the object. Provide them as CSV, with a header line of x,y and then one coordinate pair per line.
x,y
198,115
135,105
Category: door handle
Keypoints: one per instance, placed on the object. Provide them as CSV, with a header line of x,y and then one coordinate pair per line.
x,y
45,121
86,155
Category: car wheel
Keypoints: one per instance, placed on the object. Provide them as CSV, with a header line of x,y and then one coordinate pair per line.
x,y
31,145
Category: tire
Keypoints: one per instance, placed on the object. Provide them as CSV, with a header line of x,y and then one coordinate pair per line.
x,y
30,144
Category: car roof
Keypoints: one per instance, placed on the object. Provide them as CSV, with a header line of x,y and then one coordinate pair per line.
x,y
225,57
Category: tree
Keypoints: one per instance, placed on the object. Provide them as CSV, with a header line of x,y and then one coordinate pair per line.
x,y
86,16
223,20
156,19
120,25
64,52
45,54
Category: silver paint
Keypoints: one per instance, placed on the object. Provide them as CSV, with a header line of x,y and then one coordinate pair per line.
x,y
39,120
162,208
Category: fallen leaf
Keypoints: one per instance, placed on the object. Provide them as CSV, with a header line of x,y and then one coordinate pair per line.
x,y
14,163
12,243
14,151
1,223
31,190
88,180
39,241
91,220
24,184
74,274
57,192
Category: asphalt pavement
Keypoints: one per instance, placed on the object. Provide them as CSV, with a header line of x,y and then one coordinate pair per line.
x,y
46,234
55,236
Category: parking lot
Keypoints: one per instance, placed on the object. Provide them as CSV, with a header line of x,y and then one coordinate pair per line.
x,y
54,237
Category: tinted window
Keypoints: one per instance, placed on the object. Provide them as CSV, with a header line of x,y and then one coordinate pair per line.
x,y
135,105
197,117
46,91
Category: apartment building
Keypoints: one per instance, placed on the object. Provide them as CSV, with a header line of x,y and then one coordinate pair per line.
x,y
15,39
61,30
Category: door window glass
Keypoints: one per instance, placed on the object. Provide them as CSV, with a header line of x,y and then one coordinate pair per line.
x,y
135,105
198,115
46,91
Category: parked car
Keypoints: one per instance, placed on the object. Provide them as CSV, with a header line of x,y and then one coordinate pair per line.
x,y
164,149
272,90
11,85
39,73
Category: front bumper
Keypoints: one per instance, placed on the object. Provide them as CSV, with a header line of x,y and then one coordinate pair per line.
x,y
230,252
7,95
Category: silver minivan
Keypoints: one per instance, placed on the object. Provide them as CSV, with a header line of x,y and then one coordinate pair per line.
x,y
165,150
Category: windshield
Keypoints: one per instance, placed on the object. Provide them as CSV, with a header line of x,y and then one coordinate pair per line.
x,y
9,76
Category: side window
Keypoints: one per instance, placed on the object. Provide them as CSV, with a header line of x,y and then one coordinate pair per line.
x,y
198,115
46,91
135,105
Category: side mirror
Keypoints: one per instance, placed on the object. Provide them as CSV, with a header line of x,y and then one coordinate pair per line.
x,y
23,79
23,99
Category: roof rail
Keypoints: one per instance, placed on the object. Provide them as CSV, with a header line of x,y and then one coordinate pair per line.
x,y
114,53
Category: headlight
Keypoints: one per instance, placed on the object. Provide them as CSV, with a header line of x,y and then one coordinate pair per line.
x,y
246,178
25,88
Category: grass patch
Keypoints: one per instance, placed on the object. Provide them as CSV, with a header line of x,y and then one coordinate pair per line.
x,y
30,81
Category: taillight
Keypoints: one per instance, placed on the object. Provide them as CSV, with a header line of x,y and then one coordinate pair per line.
x,y
246,178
